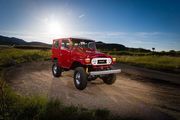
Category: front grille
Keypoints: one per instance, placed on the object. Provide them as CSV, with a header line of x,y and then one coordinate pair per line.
x,y
102,61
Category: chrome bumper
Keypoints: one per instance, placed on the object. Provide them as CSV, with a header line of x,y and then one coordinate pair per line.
x,y
105,72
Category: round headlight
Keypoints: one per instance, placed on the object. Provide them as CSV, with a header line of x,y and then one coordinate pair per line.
x,y
94,61
109,61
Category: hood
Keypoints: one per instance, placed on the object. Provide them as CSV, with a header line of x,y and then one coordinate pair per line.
x,y
94,54
90,53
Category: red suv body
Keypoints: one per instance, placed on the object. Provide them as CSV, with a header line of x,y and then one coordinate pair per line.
x,y
81,55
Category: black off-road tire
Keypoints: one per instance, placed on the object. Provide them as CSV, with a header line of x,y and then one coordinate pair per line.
x,y
109,79
56,70
80,78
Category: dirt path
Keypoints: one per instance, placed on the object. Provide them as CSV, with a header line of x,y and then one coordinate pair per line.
x,y
130,96
170,77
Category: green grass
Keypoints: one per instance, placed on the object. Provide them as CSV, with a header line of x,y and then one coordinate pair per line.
x,y
144,53
40,108
14,106
164,63
13,56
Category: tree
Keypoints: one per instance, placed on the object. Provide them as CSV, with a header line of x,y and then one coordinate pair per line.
x,y
153,49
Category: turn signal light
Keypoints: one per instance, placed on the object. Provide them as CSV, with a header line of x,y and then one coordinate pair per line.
x,y
114,59
87,60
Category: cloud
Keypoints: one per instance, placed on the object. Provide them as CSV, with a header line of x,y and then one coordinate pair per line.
x,y
81,16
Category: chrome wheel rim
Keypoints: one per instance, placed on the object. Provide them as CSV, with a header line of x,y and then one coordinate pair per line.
x,y
77,78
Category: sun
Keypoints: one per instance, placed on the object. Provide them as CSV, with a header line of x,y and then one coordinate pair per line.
x,y
54,27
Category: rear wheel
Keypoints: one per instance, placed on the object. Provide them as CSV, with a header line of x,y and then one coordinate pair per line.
x,y
109,79
91,78
80,78
56,70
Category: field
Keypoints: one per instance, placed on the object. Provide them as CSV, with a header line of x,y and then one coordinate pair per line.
x,y
14,106
162,63
9,57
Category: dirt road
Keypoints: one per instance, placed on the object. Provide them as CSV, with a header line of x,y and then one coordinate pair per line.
x,y
129,97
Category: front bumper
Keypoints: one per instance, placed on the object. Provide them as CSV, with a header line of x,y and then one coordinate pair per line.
x,y
105,72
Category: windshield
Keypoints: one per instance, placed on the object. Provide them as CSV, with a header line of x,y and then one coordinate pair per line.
x,y
85,44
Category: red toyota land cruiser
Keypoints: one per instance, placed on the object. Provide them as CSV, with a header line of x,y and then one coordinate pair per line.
x,y
81,56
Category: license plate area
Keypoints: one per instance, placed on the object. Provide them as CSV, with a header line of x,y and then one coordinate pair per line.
x,y
102,61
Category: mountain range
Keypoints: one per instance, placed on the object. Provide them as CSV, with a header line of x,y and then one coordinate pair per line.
x,y
16,41
100,45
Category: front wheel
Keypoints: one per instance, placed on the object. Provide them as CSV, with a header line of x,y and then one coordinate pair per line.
x,y
109,79
56,70
80,78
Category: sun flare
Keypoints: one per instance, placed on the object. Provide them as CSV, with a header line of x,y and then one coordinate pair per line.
x,y
54,27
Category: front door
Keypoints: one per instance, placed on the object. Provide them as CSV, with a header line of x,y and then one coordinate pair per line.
x,y
55,49
65,53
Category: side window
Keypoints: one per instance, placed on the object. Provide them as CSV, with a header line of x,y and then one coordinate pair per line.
x,y
56,44
65,44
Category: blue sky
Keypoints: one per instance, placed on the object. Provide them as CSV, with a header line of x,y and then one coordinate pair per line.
x,y
133,23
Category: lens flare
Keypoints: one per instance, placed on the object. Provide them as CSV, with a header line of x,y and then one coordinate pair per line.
x,y
54,28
